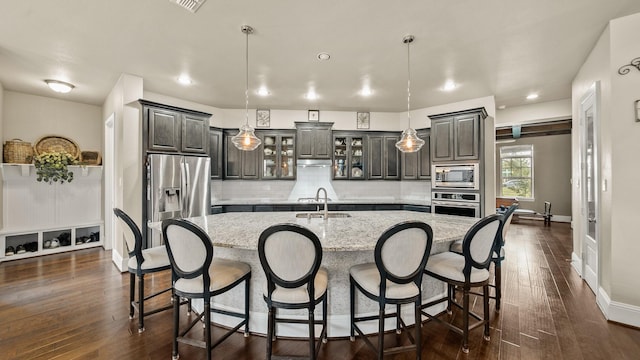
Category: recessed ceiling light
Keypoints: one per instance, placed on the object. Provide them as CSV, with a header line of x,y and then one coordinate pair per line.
x,y
184,79
263,91
532,96
366,91
449,85
502,107
59,86
311,95
323,56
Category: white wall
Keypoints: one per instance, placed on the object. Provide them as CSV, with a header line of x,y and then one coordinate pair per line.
x,y
122,101
535,112
30,117
1,137
618,135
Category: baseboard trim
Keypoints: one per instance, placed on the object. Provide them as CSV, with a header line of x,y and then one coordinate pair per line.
x,y
576,262
619,312
118,261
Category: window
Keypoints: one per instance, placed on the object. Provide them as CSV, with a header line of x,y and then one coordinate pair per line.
x,y
516,171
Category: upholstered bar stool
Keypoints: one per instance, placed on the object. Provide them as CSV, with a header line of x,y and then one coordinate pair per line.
x,y
471,269
198,275
290,256
142,262
498,254
400,255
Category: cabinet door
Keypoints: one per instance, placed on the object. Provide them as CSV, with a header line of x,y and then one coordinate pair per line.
x,y
251,163
356,157
466,137
322,143
340,157
375,155
287,156
424,156
164,130
410,165
232,158
270,156
305,143
194,134
442,139
391,158
215,152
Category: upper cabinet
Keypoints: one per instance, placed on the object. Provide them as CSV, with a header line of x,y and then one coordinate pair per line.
x,y
383,156
314,140
215,152
278,154
240,164
349,155
171,129
417,165
456,136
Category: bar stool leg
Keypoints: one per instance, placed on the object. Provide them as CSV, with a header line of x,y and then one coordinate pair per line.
x,y
132,294
418,325
398,331
246,307
312,334
498,283
176,323
352,309
485,290
141,304
270,331
207,328
381,332
324,318
465,320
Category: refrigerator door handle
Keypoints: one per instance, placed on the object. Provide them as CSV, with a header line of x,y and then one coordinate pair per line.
x,y
187,193
184,187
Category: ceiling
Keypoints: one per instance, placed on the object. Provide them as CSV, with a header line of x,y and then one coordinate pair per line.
x,y
493,47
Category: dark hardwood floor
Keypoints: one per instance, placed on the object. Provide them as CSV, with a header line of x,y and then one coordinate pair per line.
x,y
74,306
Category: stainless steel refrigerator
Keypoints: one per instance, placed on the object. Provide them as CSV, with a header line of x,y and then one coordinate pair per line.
x,y
178,186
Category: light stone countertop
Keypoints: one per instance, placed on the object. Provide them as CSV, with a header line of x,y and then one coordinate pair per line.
x,y
331,202
241,230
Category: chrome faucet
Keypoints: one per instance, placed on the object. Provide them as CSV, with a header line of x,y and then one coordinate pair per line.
x,y
326,210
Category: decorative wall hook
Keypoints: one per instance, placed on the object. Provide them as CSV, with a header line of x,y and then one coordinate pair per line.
x,y
625,69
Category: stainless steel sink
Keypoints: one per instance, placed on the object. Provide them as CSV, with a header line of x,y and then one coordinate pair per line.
x,y
310,215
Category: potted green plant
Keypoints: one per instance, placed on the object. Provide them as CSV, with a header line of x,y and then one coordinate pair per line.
x,y
52,167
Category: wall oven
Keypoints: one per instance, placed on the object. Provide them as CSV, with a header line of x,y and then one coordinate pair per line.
x,y
456,203
456,176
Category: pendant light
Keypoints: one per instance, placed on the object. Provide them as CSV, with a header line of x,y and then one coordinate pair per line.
x,y
246,139
410,142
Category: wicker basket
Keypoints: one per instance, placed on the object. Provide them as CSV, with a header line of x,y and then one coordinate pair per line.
x,y
54,143
91,158
17,151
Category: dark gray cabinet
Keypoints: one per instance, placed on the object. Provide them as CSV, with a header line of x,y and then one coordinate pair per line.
x,y
314,140
456,136
240,164
383,157
349,149
171,129
215,152
417,165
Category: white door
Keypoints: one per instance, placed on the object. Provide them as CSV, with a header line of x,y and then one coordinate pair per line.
x,y
109,182
589,121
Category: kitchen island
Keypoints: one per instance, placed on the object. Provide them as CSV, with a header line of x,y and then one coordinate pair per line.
x,y
345,242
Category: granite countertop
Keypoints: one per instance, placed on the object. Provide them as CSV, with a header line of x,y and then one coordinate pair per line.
x,y
356,233
332,201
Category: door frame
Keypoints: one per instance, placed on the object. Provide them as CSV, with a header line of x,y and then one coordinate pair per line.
x,y
591,98
109,180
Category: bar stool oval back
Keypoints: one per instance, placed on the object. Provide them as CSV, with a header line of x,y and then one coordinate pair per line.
x,y
471,269
290,256
199,275
141,262
401,254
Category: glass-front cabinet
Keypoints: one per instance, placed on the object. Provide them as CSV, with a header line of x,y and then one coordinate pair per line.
x,y
279,155
348,156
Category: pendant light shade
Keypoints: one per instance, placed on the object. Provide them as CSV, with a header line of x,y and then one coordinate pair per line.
x,y
410,142
246,139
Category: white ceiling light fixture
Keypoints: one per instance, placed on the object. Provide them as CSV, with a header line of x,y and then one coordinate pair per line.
x,y
59,86
246,139
502,107
410,142
263,91
323,56
532,96
449,85
366,91
185,80
311,95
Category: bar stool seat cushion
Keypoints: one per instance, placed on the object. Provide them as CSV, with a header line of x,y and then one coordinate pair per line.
x,y
223,273
450,265
155,257
368,276
300,294
456,247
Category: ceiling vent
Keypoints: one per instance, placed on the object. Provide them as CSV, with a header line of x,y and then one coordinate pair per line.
x,y
191,5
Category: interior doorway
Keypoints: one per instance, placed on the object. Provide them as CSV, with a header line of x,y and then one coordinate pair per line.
x,y
590,180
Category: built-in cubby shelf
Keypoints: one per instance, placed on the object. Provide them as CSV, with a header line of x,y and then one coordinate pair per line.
x,y
41,218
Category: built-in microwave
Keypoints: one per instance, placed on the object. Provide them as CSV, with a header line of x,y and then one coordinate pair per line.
x,y
456,176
